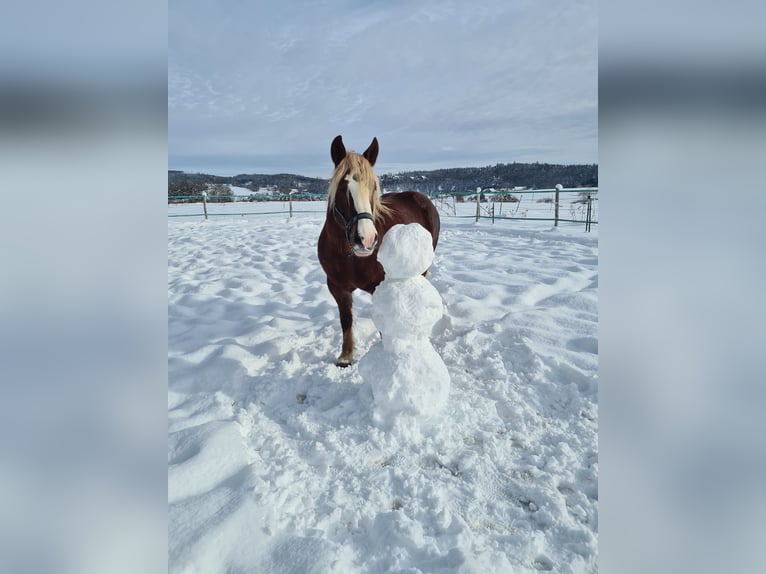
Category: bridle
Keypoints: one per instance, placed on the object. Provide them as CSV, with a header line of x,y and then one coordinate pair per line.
x,y
349,223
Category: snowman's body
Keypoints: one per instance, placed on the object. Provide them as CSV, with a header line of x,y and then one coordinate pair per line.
x,y
406,374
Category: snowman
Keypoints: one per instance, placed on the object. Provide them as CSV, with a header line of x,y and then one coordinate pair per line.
x,y
406,374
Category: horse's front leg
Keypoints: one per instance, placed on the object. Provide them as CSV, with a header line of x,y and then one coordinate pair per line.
x,y
345,304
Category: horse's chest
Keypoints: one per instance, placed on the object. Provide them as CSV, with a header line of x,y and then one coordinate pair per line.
x,y
368,273
347,270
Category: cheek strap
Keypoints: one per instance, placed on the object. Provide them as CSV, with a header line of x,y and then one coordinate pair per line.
x,y
349,223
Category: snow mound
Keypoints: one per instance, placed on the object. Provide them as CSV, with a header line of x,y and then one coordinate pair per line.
x,y
406,251
406,374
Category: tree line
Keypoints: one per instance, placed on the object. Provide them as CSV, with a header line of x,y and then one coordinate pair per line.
x,y
453,180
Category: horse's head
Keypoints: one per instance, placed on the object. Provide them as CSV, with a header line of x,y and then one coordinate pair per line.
x,y
354,195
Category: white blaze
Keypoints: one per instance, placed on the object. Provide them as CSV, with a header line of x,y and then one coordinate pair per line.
x,y
361,197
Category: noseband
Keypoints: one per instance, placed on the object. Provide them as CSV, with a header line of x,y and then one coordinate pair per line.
x,y
348,224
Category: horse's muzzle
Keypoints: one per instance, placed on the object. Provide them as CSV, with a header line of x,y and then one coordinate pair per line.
x,y
360,250
355,240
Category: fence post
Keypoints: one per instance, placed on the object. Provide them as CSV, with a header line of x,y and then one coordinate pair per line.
x,y
290,201
204,202
588,215
478,203
493,213
556,209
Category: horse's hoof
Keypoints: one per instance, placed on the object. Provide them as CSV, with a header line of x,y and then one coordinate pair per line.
x,y
342,363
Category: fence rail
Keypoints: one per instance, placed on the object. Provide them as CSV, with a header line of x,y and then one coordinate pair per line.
x,y
490,204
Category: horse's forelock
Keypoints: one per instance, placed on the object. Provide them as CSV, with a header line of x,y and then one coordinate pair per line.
x,y
356,166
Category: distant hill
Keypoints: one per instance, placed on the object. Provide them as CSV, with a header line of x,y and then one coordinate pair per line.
x,y
191,184
459,179
499,176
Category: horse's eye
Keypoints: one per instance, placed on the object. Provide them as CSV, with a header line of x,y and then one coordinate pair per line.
x,y
355,178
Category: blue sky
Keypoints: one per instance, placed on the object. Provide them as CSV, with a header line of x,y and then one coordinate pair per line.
x,y
263,87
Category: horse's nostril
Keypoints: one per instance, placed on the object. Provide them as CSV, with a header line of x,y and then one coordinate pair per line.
x,y
360,241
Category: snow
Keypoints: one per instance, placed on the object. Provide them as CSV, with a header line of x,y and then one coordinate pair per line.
x,y
275,461
405,373
406,251
244,191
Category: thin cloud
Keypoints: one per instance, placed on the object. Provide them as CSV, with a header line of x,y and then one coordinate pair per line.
x,y
271,84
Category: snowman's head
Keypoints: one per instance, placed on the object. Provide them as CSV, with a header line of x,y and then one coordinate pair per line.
x,y
406,251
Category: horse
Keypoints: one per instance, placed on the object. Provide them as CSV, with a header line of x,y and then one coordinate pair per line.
x,y
357,219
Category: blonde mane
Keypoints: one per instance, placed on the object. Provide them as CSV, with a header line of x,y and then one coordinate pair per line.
x,y
359,168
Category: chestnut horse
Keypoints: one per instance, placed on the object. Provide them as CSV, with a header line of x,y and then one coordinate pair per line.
x,y
358,217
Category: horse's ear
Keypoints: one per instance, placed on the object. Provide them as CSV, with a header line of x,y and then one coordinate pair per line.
x,y
337,150
371,153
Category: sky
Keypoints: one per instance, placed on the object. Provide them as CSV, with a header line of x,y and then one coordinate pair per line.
x,y
264,87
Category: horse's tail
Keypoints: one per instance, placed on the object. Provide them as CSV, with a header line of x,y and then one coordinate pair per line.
x,y
435,222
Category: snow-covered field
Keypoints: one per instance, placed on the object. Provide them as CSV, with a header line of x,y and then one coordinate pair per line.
x,y
275,464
